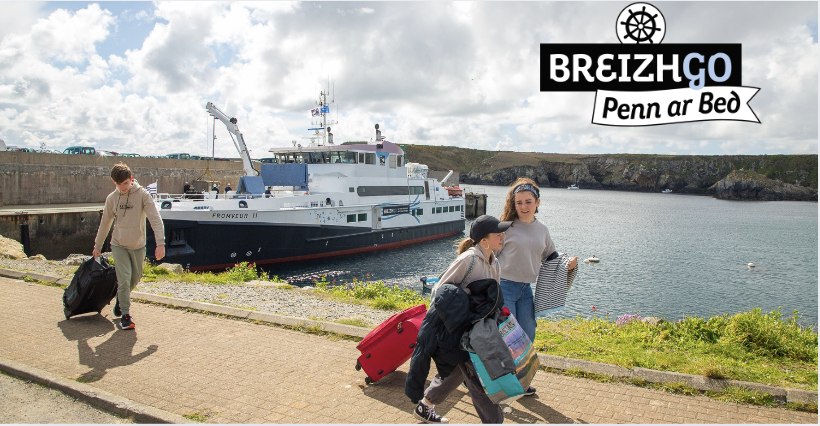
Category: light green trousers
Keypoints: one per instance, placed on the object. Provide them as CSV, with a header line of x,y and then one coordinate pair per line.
x,y
128,264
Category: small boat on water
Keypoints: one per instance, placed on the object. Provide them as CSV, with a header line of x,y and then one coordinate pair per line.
x,y
593,259
666,191
750,264
573,186
309,202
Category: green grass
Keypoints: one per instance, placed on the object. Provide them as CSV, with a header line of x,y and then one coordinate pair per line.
x,y
198,416
28,279
377,294
748,346
240,273
358,322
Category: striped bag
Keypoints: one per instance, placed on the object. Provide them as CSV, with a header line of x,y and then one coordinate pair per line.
x,y
554,281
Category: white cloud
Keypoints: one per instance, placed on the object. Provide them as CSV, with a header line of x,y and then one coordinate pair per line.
x,y
460,73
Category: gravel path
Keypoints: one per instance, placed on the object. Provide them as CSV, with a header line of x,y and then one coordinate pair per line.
x,y
255,295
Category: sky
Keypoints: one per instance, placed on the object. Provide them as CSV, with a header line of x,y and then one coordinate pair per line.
x,y
135,76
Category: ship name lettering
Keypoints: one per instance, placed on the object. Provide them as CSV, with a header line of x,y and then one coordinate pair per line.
x,y
230,215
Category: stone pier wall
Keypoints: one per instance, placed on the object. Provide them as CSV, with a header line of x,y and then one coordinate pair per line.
x,y
28,178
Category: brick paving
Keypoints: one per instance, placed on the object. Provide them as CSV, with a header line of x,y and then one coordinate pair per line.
x,y
231,371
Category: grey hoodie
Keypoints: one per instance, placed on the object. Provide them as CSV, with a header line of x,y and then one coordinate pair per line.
x,y
129,210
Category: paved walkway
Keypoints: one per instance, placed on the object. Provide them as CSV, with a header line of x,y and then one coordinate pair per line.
x,y
229,371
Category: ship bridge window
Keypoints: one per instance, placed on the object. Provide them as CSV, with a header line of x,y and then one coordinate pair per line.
x,y
392,161
416,190
318,157
370,158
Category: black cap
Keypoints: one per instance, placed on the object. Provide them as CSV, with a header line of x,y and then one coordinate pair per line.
x,y
484,225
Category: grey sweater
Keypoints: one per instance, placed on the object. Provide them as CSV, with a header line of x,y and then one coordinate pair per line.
x,y
525,246
127,212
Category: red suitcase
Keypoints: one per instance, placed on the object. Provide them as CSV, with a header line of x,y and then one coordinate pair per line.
x,y
390,344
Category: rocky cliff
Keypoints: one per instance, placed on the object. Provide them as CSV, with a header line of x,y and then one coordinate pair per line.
x,y
776,177
748,185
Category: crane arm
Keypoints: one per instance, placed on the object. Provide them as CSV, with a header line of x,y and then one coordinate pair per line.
x,y
239,142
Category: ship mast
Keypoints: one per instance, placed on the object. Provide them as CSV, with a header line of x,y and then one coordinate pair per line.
x,y
322,131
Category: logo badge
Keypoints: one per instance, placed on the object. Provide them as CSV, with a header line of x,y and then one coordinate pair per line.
x,y
640,23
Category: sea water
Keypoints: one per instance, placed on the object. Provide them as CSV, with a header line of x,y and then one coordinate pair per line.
x,y
664,255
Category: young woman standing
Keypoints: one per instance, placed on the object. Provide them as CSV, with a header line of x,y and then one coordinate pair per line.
x,y
526,245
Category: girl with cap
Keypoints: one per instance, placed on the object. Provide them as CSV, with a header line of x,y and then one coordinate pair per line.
x,y
475,261
527,244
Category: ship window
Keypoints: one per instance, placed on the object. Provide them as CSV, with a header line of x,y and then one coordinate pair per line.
x,y
419,212
416,190
362,217
400,160
351,189
370,158
434,210
438,209
243,204
317,157
392,161
374,191
452,209
351,218
361,157
458,208
350,157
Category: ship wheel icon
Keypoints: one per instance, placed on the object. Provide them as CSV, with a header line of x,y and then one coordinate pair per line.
x,y
640,23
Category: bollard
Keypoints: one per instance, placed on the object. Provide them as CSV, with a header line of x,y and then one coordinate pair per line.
x,y
24,238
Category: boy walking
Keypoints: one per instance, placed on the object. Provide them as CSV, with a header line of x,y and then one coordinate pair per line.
x,y
126,208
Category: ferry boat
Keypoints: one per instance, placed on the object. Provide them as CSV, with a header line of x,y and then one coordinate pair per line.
x,y
309,202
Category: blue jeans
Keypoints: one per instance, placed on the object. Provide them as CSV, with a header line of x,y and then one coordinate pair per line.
x,y
519,300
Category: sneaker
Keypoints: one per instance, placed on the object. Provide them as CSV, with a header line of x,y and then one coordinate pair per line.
x,y
428,415
117,311
530,391
126,323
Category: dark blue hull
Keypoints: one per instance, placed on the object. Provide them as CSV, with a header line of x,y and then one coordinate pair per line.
x,y
210,245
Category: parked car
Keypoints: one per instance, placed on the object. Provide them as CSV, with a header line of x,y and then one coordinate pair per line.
x,y
87,150
179,156
129,154
106,153
18,149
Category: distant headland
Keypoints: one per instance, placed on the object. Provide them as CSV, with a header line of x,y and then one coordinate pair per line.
x,y
733,177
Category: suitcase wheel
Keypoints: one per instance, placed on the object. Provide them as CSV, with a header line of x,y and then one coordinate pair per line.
x,y
367,356
412,345
381,372
368,380
358,366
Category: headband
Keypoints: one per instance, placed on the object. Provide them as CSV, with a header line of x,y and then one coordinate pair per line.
x,y
527,187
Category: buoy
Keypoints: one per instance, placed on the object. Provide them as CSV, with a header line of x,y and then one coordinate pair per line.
x,y
750,264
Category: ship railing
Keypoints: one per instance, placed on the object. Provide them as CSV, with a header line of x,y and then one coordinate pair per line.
x,y
468,190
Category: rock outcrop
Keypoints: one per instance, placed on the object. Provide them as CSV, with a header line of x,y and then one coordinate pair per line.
x,y
749,185
11,249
